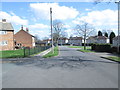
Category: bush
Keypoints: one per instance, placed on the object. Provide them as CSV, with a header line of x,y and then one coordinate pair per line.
x,y
115,49
101,47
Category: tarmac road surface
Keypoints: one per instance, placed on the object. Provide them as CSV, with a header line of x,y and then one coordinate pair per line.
x,y
71,69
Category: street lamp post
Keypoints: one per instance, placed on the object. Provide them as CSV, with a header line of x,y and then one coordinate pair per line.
x,y
118,2
51,29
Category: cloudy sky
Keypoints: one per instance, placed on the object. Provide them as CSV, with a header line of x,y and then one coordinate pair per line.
x,y
35,16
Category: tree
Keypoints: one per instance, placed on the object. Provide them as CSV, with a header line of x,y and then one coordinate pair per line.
x,y
106,34
112,35
36,38
84,30
99,33
58,28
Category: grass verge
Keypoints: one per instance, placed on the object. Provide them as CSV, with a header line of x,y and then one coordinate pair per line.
x,y
11,53
51,54
87,50
113,58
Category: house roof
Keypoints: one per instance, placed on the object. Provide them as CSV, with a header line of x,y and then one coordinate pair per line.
x,y
6,26
25,32
101,37
75,38
116,38
63,38
97,37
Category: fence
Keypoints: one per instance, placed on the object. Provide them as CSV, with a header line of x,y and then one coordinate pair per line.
x,y
35,50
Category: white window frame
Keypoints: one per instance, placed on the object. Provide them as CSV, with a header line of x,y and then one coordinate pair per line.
x,y
3,43
3,32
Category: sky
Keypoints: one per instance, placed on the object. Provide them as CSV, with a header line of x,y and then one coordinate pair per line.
x,y
36,16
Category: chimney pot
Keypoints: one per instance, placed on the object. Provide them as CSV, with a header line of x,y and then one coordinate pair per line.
x,y
27,30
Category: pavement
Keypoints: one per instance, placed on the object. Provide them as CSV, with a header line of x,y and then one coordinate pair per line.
x,y
44,52
71,69
104,54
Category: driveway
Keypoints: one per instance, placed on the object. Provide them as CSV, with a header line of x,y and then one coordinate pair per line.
x,y
71,69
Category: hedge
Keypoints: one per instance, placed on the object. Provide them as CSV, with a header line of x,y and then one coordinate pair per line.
x,y
101,47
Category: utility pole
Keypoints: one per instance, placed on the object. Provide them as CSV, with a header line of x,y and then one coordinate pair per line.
x,y
51,29
118,2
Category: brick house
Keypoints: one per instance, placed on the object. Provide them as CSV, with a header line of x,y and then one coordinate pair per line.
x,y
6,34
115,41
75,41
23,39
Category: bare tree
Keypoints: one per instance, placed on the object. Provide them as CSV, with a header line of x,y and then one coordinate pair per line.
x,y
58,28
84,30
99,1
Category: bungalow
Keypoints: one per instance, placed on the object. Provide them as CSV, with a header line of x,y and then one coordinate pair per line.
x,y
75,41
24,39
6,34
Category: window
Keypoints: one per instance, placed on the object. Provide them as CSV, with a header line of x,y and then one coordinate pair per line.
x,y
3,32
3,43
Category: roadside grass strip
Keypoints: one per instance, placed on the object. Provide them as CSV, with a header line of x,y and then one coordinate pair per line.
x,y
51,54
75,46
113,58
87,50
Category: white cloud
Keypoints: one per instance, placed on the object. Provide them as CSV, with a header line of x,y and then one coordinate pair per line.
x,y
99,18
66,26
13,18
87,9
38,26
40,30
42,11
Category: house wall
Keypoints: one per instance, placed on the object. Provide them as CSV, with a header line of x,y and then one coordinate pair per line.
x,y
75,42
61,41
10,41
101,41
115,43
24,38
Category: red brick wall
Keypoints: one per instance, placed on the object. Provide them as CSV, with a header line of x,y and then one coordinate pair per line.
x,y
24,38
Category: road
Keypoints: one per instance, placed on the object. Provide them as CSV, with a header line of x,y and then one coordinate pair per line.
x,y
71,69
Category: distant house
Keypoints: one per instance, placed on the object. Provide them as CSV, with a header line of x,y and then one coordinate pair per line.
x,y
48,41
41,43
115,41
62,41
75,41
6,34
24,39
97,39
91,39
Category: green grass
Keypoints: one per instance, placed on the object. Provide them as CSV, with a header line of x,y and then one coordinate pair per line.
x,y
51,54
11,53
75,46
115,58
88,48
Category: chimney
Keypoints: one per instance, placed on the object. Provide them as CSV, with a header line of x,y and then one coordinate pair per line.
x,y
27,30
3,20
21,27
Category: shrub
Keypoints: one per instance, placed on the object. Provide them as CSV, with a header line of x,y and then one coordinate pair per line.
x,y
101,47
115,49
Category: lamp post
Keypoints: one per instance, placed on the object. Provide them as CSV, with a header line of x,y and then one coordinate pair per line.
x,y
118,2
51,29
